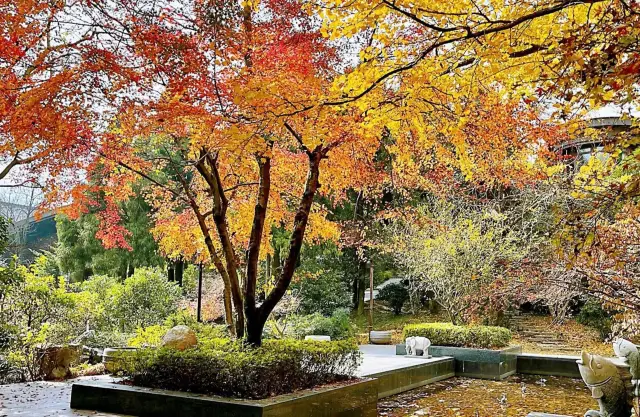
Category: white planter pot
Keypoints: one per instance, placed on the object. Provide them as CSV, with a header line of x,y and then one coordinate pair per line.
x,y
114,359
318,338
380,337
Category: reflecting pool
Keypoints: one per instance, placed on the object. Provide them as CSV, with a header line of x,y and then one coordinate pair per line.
x,y
514,397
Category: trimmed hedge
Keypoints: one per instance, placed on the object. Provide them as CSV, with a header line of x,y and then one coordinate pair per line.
x,y
232,370
447,334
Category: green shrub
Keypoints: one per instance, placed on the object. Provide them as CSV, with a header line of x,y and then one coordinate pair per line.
x,y
208,335
323,294
148,336
5,371
278,367
396,295
144,299
190,281
107,339
447,334
593,315
338,326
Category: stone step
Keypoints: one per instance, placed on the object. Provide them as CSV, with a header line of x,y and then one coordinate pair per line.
x,y
546,340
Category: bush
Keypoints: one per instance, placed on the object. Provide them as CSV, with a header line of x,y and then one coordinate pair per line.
x,y
446,334
148,337
144,299
278,367
338,326
396,295
324,294
190,281
207,334
107,339
593,315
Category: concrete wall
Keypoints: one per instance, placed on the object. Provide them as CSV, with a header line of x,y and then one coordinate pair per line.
x,y
358,399
556,365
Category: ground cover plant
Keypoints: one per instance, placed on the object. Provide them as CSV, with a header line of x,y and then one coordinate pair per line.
x,y
230,369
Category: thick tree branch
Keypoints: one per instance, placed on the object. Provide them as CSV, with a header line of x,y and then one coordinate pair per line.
x,y
297,235
208,169
255,239
468,35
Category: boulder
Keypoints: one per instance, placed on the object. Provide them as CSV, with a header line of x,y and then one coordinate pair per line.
x,y
180,338
56,361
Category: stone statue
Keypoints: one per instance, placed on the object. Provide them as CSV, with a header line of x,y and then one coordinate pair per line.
x,y
629,354
416,343
603,379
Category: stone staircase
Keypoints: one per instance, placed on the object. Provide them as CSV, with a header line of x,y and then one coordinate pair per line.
x,y
544,336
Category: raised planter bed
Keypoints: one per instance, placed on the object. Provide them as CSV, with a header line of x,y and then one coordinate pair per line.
x,y
556,365
423,373
477,363
358,399
114,359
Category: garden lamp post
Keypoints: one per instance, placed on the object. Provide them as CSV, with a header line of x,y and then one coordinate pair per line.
x,y
199,313
370,299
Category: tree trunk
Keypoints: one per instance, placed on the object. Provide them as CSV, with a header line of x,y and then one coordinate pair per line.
x,y
257,317
362,286
255,328
179,271
254,321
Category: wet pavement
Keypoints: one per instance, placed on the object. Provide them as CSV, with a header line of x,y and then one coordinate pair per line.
x,y
44,399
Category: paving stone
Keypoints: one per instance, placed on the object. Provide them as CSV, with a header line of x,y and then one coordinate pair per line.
x,y
43,399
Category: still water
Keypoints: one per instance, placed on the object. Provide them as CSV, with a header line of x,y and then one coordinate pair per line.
x,y
514,397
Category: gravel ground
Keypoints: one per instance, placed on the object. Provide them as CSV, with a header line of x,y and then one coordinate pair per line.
x,y
40,399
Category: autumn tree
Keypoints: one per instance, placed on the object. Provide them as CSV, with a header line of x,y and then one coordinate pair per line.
x,y
49,91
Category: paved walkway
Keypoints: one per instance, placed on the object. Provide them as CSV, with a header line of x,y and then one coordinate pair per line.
x,y
383,358
42,398
48,399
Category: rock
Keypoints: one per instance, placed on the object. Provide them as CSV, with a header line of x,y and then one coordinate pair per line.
x,y
180,338
56,361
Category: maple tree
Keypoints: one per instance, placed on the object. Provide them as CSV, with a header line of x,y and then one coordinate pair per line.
x,y
216,154
47,114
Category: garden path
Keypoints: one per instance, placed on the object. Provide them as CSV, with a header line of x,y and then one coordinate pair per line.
x,y
383,358
541,336
43,399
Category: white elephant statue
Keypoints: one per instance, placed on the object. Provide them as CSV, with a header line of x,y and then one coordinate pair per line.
x,y
417,343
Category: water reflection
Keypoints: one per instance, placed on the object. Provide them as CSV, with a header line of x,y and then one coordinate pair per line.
x,y
514,397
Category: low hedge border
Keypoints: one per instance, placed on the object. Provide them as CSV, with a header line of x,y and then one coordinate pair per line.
x,y
278,367
447,334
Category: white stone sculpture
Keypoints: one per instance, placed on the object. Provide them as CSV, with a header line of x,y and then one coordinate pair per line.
x,y
417,343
